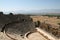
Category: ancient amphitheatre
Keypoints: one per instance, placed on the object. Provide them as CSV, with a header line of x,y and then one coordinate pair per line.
x,y
43,32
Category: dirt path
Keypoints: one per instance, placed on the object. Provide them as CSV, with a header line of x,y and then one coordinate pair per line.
x,y
36,36
33,36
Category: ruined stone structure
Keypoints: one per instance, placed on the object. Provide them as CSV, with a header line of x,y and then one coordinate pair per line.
x,y
5,19
16,24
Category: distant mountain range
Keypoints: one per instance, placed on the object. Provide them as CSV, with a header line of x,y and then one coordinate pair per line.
x,y
39,12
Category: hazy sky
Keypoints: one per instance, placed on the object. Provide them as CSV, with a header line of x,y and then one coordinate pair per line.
x,y
12,5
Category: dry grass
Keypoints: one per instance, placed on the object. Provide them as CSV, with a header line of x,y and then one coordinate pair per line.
x,y
52,20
